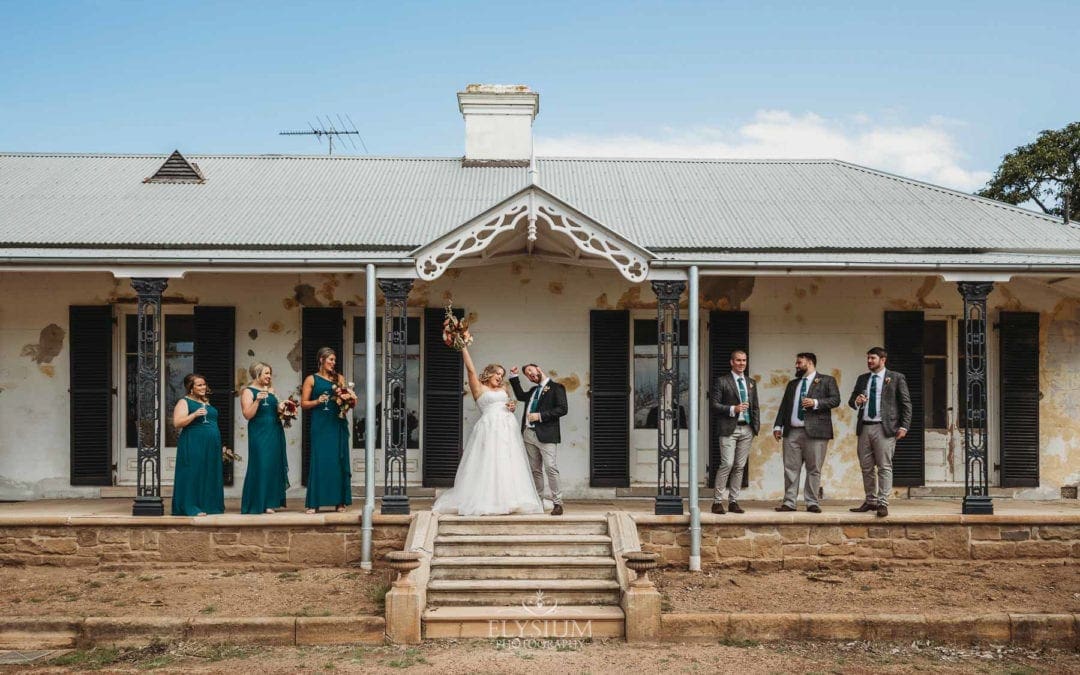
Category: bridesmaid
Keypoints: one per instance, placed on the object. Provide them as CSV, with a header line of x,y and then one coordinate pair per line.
x,y
198,485
329,474
267,474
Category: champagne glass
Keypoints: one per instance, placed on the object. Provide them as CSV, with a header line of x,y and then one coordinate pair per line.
x,y
265,403
204,420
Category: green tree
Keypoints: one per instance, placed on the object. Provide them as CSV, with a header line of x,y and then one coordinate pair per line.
x,y
1046,172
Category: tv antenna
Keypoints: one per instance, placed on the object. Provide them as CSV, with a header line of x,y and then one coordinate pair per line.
x,y
327,129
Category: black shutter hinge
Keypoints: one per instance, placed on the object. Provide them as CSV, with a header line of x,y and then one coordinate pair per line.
x,y
114,391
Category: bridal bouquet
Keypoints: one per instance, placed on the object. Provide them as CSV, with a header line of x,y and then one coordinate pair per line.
x,y
229,455
346,399
455,332
288,410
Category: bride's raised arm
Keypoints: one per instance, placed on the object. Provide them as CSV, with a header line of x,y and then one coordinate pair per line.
x,y
474,382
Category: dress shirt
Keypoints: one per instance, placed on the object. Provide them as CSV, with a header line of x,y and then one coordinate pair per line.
x,y
880,375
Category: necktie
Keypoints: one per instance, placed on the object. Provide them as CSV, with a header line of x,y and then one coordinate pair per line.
x,y
535,402
871,411
745,416
802,394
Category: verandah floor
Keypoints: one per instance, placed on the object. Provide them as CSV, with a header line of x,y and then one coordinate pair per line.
x,y
757,512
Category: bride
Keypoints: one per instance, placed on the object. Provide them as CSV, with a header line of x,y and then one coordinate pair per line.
x,y
494,476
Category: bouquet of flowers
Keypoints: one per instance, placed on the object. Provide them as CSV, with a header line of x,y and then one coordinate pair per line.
x,y
229,455
346,399
288,410
455,332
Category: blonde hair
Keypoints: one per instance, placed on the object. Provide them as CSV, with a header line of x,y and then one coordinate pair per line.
x,y
257,369
489,370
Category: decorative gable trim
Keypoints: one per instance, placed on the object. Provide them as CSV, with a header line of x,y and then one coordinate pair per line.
x,y
526,209
177,169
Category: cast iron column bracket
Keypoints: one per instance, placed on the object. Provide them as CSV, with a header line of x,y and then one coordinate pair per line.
x,y
668,499
148,500
395,431
976,462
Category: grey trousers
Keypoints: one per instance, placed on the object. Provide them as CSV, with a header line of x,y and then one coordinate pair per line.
x,y
800,449
542,460
734,450
876,451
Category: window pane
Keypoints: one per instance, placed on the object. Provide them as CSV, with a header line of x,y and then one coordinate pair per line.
x,y
131,369
646,394
179,362
412,375
935,342
935,394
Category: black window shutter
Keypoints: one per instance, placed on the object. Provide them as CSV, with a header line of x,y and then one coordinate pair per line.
x,y
444,371
215,359
1019,399
320,327
90,332
904,342
609,398
728,331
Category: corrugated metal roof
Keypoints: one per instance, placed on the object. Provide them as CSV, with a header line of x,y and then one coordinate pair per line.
x,y
333,202
400,203
790,204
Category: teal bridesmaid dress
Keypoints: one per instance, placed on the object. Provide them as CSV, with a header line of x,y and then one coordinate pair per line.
x,y
329,474
267,474
199,484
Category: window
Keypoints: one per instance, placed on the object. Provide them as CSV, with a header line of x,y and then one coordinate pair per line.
x,y
936,375
178,346
646,393
359,377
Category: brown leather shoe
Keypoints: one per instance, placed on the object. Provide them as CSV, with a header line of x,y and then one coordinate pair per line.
x,y
735,508
882,511
813,508
556,510
863,508
718,508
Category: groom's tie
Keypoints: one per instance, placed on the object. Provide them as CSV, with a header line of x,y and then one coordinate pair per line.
x,y
534,403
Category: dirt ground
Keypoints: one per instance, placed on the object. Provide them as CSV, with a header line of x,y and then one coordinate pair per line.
x,y
238,591
944,588
191,591
450,658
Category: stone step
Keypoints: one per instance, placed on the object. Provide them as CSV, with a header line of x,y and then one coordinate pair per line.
x,y
577,545
523,527
569,622
523,567
531,593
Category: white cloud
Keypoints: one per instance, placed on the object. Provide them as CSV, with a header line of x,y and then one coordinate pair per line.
x,y
926,151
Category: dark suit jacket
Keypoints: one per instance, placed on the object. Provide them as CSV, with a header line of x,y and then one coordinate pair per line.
x,y
725,393
895,402
818,422
551,406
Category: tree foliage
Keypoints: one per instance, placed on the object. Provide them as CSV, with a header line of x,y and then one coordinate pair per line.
x,y
1046,172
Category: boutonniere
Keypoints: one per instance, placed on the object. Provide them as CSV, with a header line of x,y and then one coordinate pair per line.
x,y
749,384
888,380
544,390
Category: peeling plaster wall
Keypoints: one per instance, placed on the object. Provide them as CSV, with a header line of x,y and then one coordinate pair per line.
x,y
522,312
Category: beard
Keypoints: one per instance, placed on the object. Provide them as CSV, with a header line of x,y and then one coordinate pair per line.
x,y
800,373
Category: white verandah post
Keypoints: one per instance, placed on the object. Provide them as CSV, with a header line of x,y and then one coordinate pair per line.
x,y
369,417
692,423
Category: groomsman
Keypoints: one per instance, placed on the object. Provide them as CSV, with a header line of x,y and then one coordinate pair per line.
x,y
883,406
735,400
804,421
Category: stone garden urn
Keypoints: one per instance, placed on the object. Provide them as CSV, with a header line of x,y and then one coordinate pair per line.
x,y
641,562
403,562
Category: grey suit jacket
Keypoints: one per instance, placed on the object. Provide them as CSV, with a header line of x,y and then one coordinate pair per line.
x,y
818,422
725,394
895,402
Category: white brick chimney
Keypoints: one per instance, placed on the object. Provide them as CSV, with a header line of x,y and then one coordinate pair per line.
x,y
498,123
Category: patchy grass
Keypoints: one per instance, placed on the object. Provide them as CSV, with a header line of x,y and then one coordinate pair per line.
x,y
409,658
209,609
377,595
289,576
89,659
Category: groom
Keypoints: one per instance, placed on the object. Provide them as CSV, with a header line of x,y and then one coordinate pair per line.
x,y
546,403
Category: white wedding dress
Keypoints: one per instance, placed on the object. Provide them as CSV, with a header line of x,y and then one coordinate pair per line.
x,y
494,477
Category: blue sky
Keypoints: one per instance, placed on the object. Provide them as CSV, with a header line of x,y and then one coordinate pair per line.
x,y
937,90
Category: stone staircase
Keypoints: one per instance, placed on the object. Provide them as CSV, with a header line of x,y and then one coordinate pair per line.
x,y
530,577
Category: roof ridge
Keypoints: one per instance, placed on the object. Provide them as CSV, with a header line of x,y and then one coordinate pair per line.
x,y
109,155
695,160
